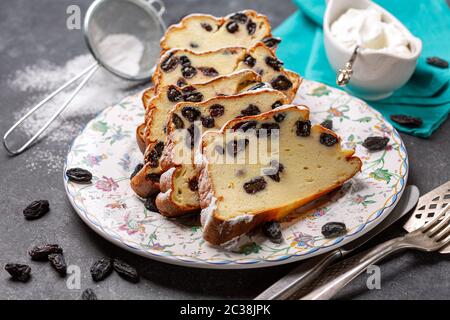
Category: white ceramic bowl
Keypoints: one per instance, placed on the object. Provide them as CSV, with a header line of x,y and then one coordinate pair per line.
x,y
376,75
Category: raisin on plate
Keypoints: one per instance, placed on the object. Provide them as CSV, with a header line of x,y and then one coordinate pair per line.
x,y
334,229
376,143
79,175
272,230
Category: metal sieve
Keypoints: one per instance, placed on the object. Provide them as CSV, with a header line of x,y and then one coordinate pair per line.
x,y
140,21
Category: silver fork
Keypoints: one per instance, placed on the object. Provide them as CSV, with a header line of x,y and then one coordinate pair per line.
x,y
430,237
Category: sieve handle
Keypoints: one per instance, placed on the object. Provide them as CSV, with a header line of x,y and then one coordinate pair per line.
x,y
87,73
160,8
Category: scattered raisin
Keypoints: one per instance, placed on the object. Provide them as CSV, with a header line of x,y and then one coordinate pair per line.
x,y
277,104
250,61
36,209
303,128
334,229
193,45
101,269
41,253
185,61
255,185
190,113
154,177
216,110
279,117
327,124
236,146
169,64
79,175
271,42
150,204
188,72
239,17
407,121
245,126
193,184
18,272
193,97
89,294
136,170
375,143
437,62
274,63
272,230
281,83
328,139
206,26
251,27
58,262
251,110
181,82
209,71
269,127
274,171
207,122
257,86
126,271
177,121
173,94
232,27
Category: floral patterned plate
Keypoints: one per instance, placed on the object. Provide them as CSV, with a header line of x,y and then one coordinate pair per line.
x,y
107,147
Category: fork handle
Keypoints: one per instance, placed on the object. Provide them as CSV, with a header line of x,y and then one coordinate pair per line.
x,y
379,252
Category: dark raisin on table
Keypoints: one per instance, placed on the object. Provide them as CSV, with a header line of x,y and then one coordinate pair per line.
x,y
101,269
41,252
79,175
36,209
250,61
375,143
177,121
303,128
173,94
272,230
18,272
89,294
407,121
334,229
169,64
216,110
327,124
328,140
437,62
58,262
232,27
274,63
136,170
271,42
281,83
191,113
255,185
150,204
126,271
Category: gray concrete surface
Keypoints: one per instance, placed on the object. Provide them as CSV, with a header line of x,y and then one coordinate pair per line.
x,y
33,29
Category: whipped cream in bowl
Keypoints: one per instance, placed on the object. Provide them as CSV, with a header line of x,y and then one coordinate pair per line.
x,y
387,51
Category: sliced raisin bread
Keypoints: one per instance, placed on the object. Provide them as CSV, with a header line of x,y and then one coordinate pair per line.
x,y
183,67
236,197
146,181
202,32
179,194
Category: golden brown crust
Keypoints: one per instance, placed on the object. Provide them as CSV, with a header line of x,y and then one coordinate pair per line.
x,y
140,136
216,230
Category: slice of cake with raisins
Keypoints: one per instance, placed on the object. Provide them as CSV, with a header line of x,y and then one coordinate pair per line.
x,y
183,67
307,162
203,32
178,183
152,137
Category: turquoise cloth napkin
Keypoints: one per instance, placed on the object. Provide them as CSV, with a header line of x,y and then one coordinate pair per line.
x,y
427,93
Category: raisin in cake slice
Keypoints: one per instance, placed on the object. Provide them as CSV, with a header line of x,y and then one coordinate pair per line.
x,y
236,197
179,194
202,32
183,67
146,181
